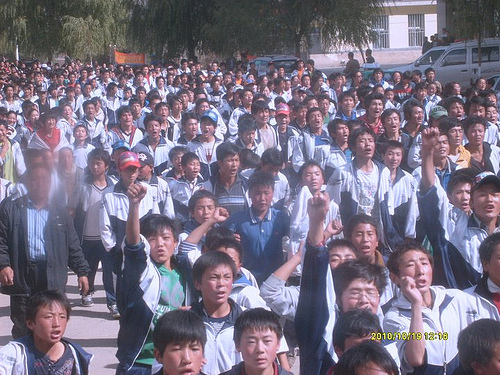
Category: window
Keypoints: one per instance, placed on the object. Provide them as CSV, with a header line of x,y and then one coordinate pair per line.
x,y
488,54
430,57
455,57
416,30
381,31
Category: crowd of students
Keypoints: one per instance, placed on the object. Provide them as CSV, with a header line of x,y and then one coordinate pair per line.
x,y
227,208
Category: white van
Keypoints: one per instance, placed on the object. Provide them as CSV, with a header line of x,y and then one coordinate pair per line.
x,y
459,62
423,62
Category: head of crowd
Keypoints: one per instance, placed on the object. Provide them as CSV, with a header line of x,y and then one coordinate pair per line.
x,y
239,215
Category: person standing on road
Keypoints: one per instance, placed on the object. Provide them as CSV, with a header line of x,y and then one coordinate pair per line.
x,y
38,242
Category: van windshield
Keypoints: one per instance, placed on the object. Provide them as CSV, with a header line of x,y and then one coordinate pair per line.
x,y
430,57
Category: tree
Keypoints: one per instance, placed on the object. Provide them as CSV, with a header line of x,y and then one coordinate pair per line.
x,y
475,19
88,30
173,26
46,27
288,23
244,25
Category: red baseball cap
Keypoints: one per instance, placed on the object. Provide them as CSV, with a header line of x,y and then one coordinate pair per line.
x,y
282,109
128,159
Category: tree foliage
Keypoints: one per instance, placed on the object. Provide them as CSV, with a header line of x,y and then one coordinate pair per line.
x,y
473,19
46,27
173,26
287,24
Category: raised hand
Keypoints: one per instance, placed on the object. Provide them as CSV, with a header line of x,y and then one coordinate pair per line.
x,y
410,291
220,215
136,192
430,139
317,206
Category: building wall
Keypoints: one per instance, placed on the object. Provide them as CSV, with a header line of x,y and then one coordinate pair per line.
x,y
398,31
397,12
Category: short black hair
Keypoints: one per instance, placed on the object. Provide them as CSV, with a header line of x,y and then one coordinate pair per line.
x,y
358,356
86,104
218,233
227,243
460,176
248,159
478,342
359,219
246,123
347,94
371,97
334,124
209,260
308,164
471,121
179,327
200,194
151,117
446,103
156,223
259,105
340,242
388,112
475,100
354,269
488,247
99,154
392,144
46,298
189,157
226,149
122,110
395,257
177,150
260,178
272,156
409,105
188,116
358,132
258,319
354,323
448,123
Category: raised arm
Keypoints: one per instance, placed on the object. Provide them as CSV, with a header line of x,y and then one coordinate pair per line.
x,y
429,141
414,349
219,216
135,194
317,208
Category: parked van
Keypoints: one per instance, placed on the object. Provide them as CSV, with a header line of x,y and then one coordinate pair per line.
x,y
423,62
459,62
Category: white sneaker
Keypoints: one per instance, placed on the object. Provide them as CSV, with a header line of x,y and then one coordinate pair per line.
x,y
87,300
113,310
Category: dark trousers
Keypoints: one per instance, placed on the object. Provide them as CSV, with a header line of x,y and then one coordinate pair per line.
x,y
36,278
94,252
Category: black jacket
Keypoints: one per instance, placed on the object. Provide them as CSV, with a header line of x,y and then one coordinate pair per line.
x,y
62,246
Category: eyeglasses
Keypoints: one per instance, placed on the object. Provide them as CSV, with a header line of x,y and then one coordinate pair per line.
x,y
357,293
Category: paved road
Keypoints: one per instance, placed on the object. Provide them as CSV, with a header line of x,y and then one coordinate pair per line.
x,y
91,327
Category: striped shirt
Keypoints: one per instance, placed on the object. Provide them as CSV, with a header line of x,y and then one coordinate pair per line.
x,y
37,219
